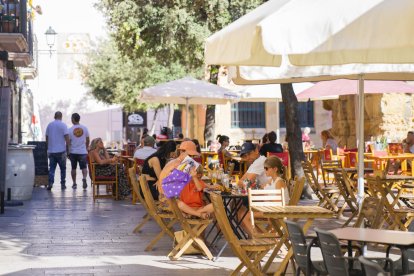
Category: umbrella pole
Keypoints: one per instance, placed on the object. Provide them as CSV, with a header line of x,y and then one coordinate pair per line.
x,y
277,121
360,141
187,114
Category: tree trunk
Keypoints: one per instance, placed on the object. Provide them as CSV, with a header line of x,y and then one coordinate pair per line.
x,y
294,134
210,74
154,121
170,116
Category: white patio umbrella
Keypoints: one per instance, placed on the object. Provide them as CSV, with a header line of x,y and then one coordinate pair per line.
x,y
322,39
188,91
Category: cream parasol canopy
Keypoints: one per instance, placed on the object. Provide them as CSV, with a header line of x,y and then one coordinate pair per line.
x,y
300,40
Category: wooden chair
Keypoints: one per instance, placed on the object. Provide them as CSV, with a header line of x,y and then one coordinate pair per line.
x,y
284,156
297,188
137,190
256,198
251,251
327,168
193,229
108,181
348,194
325,196
397,217
370,214
163,218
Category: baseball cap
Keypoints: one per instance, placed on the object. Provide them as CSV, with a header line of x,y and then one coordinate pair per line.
x,y
149,141
189,147
246,148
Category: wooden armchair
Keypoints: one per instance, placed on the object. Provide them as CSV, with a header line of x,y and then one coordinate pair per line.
x,y
251,251
137,190
164,219
108,182
193,229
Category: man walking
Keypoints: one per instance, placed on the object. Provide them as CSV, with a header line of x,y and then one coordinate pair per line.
x,y
79,142
57,140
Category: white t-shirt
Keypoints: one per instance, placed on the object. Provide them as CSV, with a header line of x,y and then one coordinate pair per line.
x,y
144,152
257,167
55,133
272,186
77,136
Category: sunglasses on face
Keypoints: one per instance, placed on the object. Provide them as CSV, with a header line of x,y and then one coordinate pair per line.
x,y
266,168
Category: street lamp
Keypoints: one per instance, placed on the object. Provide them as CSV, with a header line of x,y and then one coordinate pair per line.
x,y
50,39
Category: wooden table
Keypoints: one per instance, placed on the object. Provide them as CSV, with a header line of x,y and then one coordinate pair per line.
x,y
385,187
402,240
403,158
276,215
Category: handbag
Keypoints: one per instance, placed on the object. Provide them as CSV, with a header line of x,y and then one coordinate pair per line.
x,y
174,183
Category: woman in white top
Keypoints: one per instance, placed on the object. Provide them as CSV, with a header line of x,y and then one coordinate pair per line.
x,y
275,170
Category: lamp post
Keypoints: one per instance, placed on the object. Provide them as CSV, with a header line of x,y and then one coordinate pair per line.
x,y
50,39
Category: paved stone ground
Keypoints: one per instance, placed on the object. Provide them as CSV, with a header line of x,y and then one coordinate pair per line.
x,y
65,233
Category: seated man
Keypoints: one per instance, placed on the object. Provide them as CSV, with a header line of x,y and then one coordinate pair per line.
x,y
147,149
408,142
255,174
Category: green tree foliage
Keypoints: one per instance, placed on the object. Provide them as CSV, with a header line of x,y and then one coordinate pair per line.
x,y
115,79
153,42
170,30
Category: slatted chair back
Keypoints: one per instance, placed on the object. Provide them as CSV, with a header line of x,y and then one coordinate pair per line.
x,y
257,198
137,190
250,252
324,200
333,258
223,221
327,166
164,219
301,250
370,214
327,155
285,158
297,189
136,187
193,229
371,268
348,194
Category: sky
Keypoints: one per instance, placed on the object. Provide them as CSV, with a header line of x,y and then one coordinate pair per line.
x,y
73,20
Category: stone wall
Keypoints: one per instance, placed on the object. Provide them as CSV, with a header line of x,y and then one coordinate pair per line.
x,y
389,115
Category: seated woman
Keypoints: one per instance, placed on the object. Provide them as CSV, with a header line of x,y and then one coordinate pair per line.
x,y
98,154
275,170
272,146
154,164
191,199
328,141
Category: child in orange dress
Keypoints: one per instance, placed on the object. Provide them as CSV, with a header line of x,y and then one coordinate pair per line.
x,y
191,199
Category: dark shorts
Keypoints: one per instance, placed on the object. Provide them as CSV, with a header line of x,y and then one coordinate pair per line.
x,y
75,158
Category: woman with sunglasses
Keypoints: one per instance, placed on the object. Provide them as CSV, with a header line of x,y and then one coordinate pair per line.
x,y
275,170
